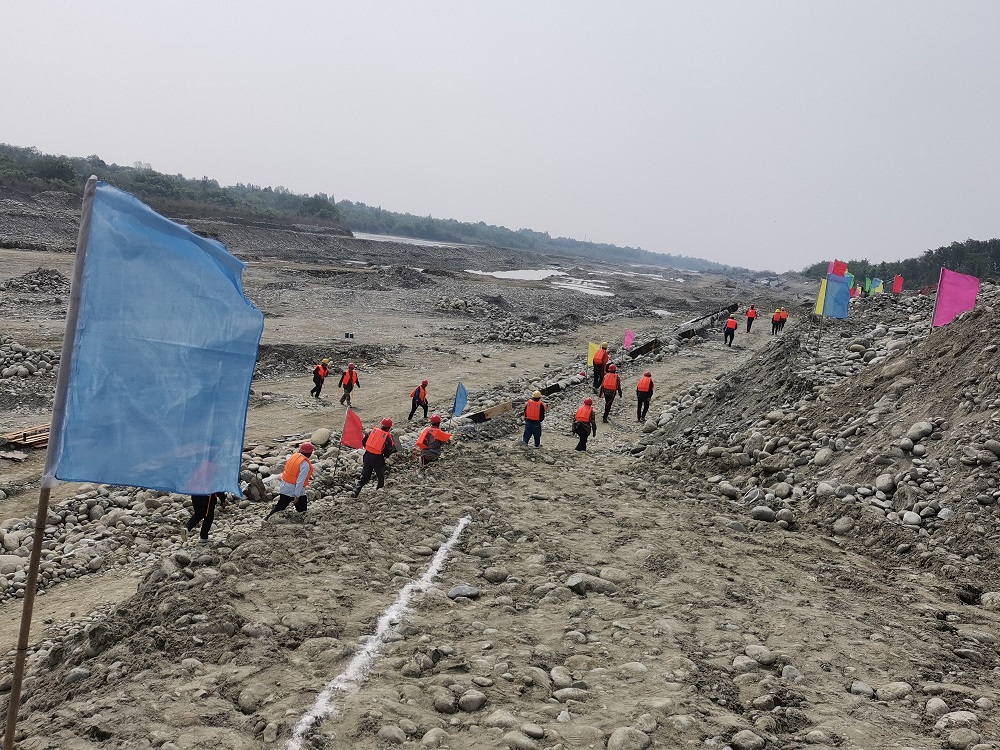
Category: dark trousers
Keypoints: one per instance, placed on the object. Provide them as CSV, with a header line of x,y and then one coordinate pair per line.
x,y
750,324
532,429
416,405
609,398
317,386
642,404
371,464
598,377
729,335
204,513
775,325
347,394
582,431
285,500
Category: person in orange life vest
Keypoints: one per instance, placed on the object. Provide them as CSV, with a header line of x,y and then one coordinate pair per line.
x,y
431,441
585,423
418,398
611,385
348,381
320,372
730,330
601,357
751,317
534,413
643,394
379,445
784,319
294,480
204,513
776,322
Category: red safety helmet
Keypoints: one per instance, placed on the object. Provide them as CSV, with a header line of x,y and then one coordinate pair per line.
x,y
423,383
612,368
350,365
386,423
306,448
435,419
588,401
648,374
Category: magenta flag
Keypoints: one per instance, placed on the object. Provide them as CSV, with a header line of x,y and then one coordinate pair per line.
x,y
897,285
629,338
829,268
956,294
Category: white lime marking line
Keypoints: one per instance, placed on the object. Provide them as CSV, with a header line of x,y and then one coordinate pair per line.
x,y
361,664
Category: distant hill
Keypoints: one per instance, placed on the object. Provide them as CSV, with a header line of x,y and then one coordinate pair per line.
x,y
27,170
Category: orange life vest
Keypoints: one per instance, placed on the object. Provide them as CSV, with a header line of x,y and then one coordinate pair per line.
x,y
533,410
350,377
645,385
731,324
784,314
323,370
584,413
751,313
432,432
776,317
293,466
376,441
422,391
611,381
601,357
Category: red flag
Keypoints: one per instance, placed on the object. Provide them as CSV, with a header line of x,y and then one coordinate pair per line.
x,y
839,268
897,285
354,432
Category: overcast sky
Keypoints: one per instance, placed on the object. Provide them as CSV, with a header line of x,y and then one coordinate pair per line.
x,y
762,134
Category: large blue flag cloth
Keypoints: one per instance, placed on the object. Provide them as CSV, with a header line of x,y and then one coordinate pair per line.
x,y
161,344
461,399
838,296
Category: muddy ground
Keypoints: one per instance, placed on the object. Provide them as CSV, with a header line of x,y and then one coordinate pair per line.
x,y
630,596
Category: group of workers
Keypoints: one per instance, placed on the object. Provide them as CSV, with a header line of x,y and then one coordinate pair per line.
x,y
731,324
379,443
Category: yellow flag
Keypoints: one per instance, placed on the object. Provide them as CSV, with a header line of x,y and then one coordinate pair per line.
x,y
591,349
821,298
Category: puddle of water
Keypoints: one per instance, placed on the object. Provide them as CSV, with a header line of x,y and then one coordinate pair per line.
x,y
522,275
405,240
585,287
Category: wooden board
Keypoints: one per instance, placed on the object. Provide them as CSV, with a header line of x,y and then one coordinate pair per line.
x,y
33,437
493,411
649,346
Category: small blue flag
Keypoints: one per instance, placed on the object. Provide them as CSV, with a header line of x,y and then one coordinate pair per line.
x,y
160,348
838,296
461,399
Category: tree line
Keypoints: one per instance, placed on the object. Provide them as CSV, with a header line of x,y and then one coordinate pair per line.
x,y
980,258
376,220
30,171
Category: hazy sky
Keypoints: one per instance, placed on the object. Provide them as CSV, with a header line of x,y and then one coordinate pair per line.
x,y
763,134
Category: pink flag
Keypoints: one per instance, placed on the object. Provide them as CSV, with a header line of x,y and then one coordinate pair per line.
x,y
629,338
897,285
354,432
829,268
957,293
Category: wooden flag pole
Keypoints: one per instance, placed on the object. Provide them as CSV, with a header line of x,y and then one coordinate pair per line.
x,y
29,604
51,457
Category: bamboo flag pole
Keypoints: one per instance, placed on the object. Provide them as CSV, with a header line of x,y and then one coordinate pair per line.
x,y
51,455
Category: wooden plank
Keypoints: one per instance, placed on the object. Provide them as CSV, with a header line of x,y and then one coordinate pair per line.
x,y
34,437
487,414
644,348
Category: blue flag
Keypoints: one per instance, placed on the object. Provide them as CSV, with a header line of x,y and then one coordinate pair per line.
x,y
838,295
160,348
461,399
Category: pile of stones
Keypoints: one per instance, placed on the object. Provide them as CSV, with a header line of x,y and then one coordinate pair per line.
x,y
41,280
20,361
